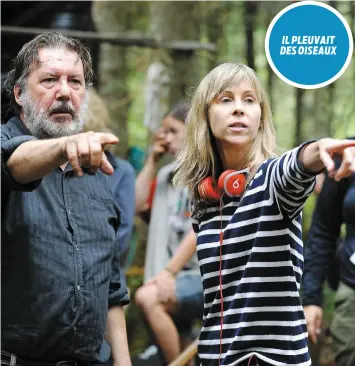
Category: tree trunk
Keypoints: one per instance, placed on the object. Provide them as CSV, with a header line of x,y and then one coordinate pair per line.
x,y
216,17
270,72
250,9
299,117
177,21
111,16
352,17
330,107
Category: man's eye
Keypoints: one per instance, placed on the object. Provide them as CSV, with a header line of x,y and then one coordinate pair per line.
x,y
75,81
50,80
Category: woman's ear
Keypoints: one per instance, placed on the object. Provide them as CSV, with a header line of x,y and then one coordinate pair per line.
x,y
17,94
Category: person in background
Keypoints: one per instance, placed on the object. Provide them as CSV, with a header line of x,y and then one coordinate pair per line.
x,y
335,206
121,181
171,297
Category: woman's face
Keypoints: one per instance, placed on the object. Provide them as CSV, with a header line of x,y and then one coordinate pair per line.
x,y
174,134
235,115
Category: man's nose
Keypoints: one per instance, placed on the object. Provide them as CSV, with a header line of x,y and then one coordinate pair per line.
x,y
63,92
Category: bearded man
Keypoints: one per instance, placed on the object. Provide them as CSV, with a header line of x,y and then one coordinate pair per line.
x,y
60,290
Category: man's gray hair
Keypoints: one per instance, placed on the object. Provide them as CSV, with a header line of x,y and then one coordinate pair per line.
x,y
27,60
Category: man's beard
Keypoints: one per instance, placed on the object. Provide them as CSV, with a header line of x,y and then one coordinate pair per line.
x,y
41,126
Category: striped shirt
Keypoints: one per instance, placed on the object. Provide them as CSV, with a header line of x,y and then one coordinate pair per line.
x,y
262,264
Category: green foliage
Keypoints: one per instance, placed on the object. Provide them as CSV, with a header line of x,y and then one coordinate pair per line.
x,y
317,109
137,132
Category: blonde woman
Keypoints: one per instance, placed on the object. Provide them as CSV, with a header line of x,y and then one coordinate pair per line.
x,y
248,220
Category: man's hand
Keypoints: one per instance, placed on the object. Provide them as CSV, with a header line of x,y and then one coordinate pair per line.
x,y
87,150
313,315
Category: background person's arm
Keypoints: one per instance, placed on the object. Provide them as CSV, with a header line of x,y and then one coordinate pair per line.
x,y
183,254
148,173
143,184
165,280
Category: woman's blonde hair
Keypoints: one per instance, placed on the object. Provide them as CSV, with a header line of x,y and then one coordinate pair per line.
x,y
199,157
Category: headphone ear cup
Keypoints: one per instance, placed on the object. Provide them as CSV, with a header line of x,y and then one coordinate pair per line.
x,y
207,190
222,178
232,183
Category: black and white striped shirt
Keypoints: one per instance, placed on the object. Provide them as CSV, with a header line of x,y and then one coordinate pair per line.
x,y
262,264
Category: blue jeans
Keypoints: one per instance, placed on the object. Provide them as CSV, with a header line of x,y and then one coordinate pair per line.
x,y
190,301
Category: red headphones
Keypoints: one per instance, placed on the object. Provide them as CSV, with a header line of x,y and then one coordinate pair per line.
x,y
231,182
